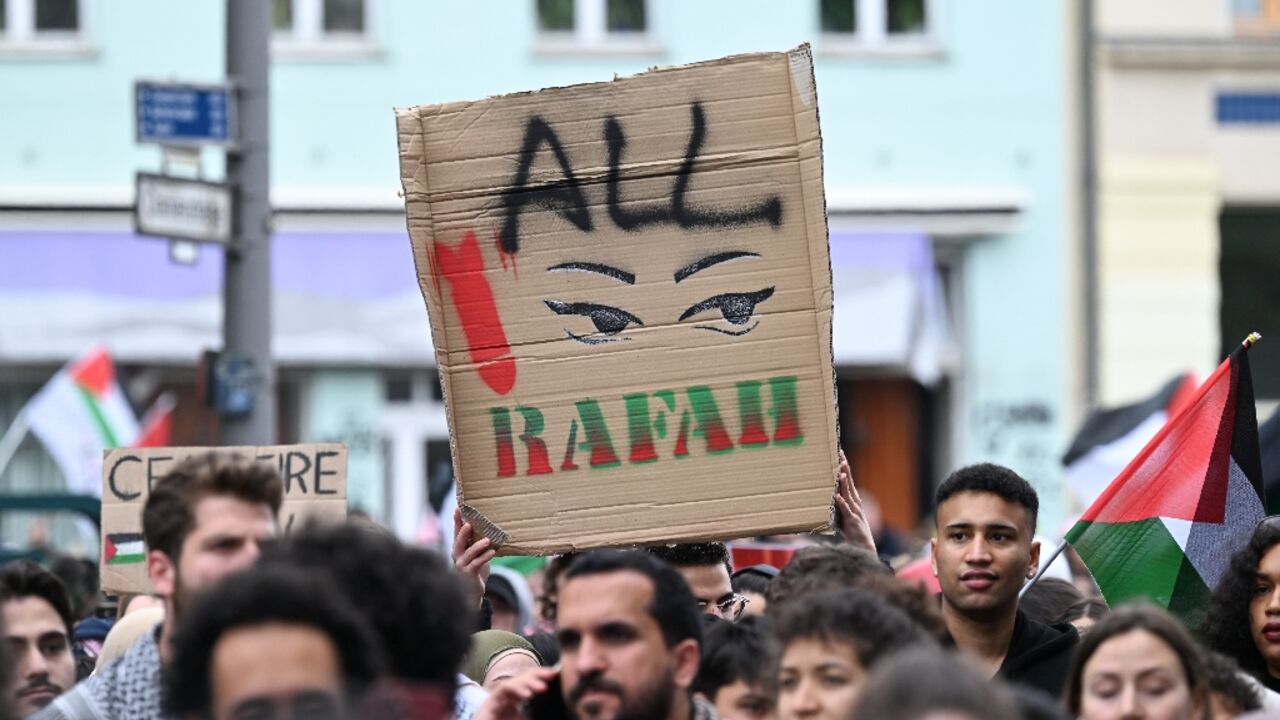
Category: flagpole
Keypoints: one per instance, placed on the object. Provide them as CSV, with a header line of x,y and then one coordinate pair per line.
x,y
1044,567
13,438
1253,338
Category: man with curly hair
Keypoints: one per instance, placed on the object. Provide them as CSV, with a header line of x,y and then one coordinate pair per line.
x,y
827,645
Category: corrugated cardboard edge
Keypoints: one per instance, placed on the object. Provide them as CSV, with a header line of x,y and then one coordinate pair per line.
x,y
458,105
413,179
804,98
480,523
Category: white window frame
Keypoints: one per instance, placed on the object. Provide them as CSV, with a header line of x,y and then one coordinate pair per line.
x,y
872,37
589,34
308,39
20,36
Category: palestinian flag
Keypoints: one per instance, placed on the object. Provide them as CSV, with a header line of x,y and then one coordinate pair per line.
x,y
79,413
1167,526
1110,438
123,549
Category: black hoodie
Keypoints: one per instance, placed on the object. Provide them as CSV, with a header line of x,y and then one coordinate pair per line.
x,y
1039,655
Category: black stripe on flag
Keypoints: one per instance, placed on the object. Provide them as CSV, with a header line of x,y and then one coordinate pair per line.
x,y
1107,426
121,538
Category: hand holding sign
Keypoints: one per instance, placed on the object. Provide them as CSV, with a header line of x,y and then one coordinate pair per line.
x,y
471,558
629,291
851,520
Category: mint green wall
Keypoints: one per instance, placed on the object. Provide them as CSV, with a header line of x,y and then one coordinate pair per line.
x,y
991,110
344,406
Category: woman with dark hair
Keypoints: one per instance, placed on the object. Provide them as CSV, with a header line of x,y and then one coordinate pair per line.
x,y
1138,661
1243,622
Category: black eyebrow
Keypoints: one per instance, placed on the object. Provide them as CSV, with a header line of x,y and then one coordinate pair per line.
x,y
606,270
708,261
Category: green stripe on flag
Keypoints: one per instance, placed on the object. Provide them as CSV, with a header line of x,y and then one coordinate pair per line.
x,y
123,559
525,565
91,402
1138,560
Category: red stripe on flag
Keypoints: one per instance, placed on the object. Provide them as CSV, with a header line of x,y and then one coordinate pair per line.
x,y
157,425
95,371
1167,477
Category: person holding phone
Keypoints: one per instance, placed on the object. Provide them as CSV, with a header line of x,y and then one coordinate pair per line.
x,y
630,635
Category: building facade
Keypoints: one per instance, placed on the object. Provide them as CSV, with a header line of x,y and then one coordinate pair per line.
x,y
948,135
1189,192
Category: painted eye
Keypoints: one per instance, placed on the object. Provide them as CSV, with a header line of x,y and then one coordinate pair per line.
x,y
738,309
608,321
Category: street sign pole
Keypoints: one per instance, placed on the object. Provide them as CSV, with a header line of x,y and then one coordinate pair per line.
x,y
246,318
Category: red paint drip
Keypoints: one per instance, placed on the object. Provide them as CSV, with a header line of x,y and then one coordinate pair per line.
x,y
463,268
503,255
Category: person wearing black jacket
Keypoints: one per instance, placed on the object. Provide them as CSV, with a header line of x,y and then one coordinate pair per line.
x,y
982,555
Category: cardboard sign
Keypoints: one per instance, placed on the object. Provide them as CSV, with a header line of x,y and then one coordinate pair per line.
x,y
315,485
630,297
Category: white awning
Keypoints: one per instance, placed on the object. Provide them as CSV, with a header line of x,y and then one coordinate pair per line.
x,y
890,311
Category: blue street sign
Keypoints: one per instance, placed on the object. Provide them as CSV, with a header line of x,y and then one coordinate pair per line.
x,y
185,114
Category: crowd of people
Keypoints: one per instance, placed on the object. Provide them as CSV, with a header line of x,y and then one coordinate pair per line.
x,y
346,621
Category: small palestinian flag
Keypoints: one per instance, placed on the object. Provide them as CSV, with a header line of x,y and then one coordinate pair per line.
x,y
80,412
123,549
1167,526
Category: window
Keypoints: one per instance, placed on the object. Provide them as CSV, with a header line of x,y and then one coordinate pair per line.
x,y
877,25
1248,264
1256,17
41,24
324,26
595,24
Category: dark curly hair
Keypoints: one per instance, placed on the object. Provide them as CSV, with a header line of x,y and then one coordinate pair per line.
x,y
693,555
820,569
260,596
859,618
408,596
1226,627
996,480
733,652
1229,684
